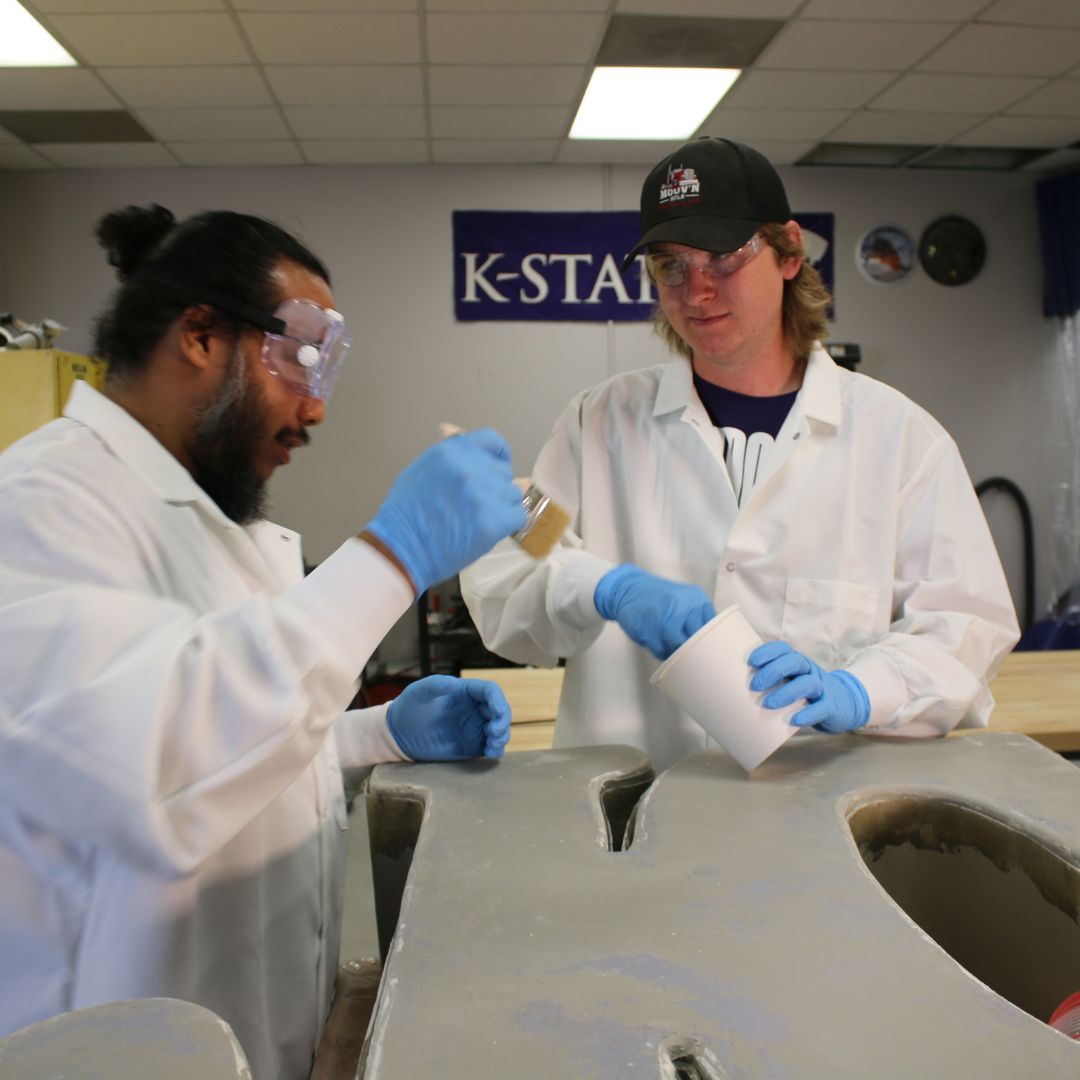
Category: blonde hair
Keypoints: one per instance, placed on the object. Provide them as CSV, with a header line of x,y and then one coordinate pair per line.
x,y
804,307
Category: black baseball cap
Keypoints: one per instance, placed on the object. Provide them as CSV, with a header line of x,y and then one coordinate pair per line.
x,y
711,194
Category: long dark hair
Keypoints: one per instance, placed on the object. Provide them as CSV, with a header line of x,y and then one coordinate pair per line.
x,y
165,266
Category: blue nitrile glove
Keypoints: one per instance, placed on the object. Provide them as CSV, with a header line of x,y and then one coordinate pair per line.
x,y
655,612
441,718
836,700
450,506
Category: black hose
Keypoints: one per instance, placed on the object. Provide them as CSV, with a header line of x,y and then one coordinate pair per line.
x,y
1001,483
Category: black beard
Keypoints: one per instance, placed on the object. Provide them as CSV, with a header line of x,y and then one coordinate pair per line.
x,y
228,431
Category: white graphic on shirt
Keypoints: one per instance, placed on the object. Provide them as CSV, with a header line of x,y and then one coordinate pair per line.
x,y
745,459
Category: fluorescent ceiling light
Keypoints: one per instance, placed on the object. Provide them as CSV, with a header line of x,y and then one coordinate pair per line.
x,y
649,102
24,42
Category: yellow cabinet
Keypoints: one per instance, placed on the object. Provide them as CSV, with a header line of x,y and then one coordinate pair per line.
x,y
35,384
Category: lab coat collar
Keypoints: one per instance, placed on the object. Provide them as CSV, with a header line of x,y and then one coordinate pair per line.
x,y
676,389
138,449
819,397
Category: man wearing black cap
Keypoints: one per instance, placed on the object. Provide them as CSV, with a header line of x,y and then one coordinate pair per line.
x,y
833,511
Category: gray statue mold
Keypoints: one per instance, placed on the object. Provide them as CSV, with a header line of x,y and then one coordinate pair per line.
x,y
858,907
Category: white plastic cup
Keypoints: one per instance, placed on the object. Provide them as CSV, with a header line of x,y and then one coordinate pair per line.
x,y
708,678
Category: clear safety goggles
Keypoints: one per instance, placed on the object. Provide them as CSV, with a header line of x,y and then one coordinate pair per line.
x,y
305,346
672,268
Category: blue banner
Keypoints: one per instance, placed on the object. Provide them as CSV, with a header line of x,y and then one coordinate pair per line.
x,y
513,266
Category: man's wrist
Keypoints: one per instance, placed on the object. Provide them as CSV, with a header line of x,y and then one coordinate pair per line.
x,y
370,538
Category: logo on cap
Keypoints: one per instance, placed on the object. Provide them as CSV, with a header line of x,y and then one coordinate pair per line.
x,y
681,187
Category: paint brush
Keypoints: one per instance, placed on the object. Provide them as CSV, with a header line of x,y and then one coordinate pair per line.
x,y
545,519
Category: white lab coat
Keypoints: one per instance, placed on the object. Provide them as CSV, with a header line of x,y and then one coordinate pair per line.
x,y
863,545
171,808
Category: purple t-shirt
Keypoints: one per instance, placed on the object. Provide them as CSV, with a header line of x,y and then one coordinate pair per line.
x,y
749,426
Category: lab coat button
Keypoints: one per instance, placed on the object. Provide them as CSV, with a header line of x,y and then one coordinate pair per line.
x,y
730,566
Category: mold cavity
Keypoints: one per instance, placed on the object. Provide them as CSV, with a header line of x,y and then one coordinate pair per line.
x,y
998,901
689,1059
619,802
393,829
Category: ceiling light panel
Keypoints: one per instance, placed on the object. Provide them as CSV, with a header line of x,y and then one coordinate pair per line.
x,y
24,42
649,103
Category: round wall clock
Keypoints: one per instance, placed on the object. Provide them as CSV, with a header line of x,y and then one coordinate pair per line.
x,y
886,253
952,250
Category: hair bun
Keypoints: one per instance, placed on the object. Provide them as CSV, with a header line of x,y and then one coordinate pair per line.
x,y
129,235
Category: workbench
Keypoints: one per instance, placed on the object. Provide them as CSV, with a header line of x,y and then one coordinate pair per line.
x,y
1037,694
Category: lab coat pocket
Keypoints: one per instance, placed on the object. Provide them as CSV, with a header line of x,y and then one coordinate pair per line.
x,y
828,620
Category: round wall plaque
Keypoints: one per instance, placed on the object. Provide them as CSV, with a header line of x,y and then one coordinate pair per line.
x,y
886,253
952,250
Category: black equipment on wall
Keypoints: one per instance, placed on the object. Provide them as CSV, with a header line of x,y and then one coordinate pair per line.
x,y
1001,483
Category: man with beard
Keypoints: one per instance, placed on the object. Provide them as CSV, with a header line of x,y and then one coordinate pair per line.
x,y
172,812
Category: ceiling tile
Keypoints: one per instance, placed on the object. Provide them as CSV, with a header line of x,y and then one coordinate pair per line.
x,y
1058,161
75,126
117,7
513,39
750,125
645,152
487,84
141,40
726,9
187,87
1060,98
493,151
891,11
807,44
202,125
782,152
350,84
983,158
523,122
811,89
17,156
548,6
954,93
107,155
1013,50
1030,131
902,127
53,88
365,151
245,153
1033,13
357,123
325,5
678,41
862,155
328,38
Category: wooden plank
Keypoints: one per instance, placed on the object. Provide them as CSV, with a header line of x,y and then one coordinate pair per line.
x,y
1037,694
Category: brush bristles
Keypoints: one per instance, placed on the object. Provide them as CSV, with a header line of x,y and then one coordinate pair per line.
x,y
545,530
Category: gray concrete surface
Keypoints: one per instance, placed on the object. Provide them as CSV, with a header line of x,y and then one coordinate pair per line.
x,y
148,1039
744,932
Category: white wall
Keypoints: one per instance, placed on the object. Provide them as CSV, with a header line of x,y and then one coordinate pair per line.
x,y
973,355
